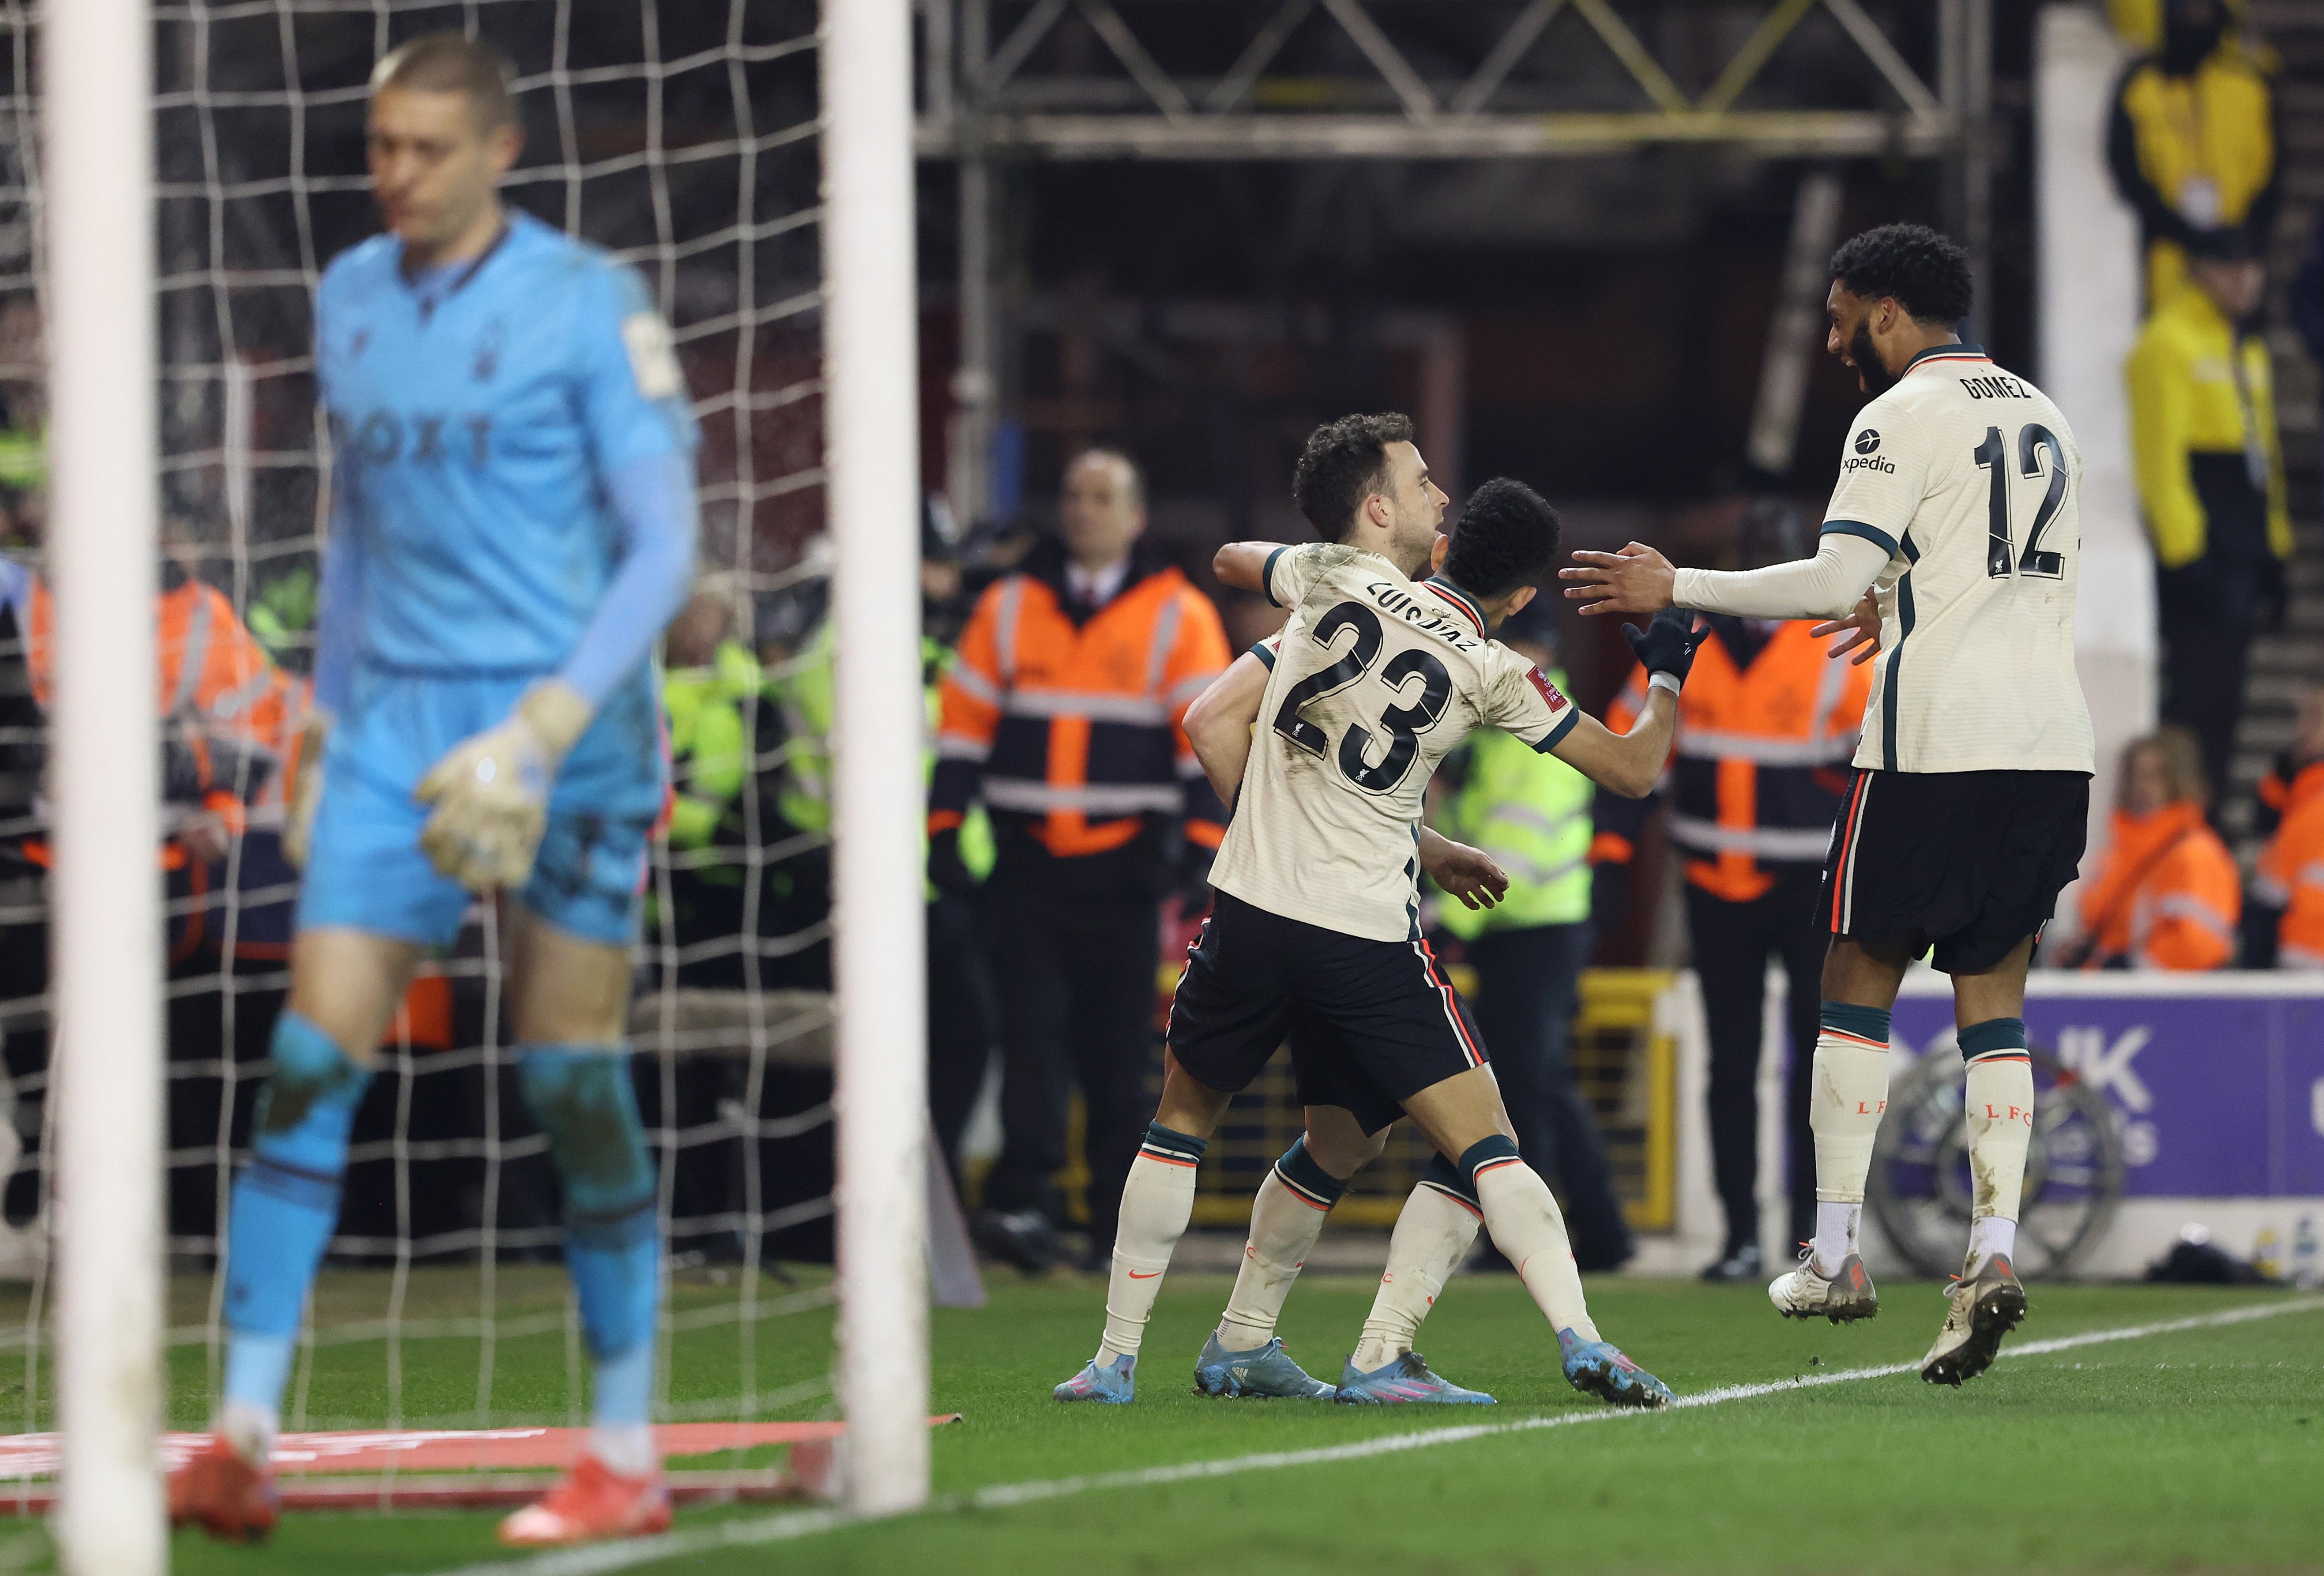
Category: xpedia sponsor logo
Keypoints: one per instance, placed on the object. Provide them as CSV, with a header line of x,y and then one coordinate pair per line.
x,y
1867,455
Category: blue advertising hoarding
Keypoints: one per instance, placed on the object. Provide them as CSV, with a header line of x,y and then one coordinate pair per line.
x,y
2218,1079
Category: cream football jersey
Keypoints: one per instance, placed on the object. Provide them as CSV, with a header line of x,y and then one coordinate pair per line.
x,y
1968,476
1375,681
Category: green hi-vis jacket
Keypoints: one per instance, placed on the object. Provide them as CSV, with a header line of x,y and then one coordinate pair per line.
x,y
802,690
1531,813
706,741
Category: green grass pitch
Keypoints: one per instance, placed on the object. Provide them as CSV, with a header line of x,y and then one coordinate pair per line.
x,y
2193,1450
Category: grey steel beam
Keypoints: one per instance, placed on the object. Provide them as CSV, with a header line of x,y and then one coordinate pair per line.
x,y
1834,134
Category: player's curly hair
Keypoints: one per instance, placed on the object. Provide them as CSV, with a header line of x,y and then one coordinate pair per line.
x,y
1927,275
1506,538
1345,463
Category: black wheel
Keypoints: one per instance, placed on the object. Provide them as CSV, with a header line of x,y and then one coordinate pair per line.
x,y
1920,1189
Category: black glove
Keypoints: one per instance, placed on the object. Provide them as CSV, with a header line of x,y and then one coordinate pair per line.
x,y
947,873
1667,645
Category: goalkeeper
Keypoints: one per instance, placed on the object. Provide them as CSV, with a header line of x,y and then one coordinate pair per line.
x,y
514,523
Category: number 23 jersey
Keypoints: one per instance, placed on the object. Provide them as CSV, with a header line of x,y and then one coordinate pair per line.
x,y
1376,680
1971,478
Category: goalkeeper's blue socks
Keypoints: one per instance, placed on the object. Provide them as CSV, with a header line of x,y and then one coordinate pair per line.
x,y
582,1098
286,1204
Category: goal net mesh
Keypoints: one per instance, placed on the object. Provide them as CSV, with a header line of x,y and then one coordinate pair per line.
x,y
683,136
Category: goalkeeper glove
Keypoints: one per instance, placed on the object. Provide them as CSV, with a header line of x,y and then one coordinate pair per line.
x,y
306,790
491,792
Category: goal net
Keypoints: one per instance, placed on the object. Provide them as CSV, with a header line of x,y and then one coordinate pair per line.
x,y
684,135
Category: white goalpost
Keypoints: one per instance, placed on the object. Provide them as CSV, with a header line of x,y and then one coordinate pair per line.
x,y
872,437
104,449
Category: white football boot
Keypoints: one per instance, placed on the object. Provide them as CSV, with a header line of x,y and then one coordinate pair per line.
x,y
1804,1293
1984,1308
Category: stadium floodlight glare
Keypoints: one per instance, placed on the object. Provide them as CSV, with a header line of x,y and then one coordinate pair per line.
x,y
872,440
104,451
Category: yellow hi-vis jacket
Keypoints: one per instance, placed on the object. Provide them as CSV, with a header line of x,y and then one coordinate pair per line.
x,y
2203,421
1531,813
2192,154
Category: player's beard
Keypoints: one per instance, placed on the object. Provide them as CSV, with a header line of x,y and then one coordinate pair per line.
x,y
1412,549
1878,378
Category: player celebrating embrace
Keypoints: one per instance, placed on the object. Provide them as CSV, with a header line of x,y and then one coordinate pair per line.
x,y
514,523
1960,501
1378,677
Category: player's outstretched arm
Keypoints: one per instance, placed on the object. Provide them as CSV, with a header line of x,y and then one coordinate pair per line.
x,y
1244,564
1628,764
1218,724
1638,579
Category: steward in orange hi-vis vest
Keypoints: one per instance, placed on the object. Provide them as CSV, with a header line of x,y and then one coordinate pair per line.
x,y
2291,873
1767,725
1064,713
2166,895
1065,721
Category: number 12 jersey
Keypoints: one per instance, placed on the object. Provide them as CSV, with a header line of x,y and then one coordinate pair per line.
x,y
1376,680
1969,477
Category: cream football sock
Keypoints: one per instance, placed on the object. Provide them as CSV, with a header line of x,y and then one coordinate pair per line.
x,y
1849,1090
1530,1232
1286,1219
2000,1105
1157,1201
1433,1233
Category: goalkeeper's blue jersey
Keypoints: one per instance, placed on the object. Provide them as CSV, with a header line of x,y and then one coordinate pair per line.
x,y
475,416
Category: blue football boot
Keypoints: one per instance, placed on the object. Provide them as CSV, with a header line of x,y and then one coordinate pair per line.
x,y
1596,1368
1115,1383
1266,1374
1404,1382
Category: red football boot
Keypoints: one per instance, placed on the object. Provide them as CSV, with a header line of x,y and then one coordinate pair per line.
x,y
593,1503
225,1495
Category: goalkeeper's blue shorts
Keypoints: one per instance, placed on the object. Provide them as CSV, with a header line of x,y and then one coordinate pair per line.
x,y
365,870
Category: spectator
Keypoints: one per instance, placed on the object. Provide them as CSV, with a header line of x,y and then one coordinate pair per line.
x,y
1063,714
1767,725
2211,480
1531,813
710,692
2165,893
2289,885
2193,146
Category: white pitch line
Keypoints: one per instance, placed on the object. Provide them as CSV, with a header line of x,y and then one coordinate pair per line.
x,y
789,1525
